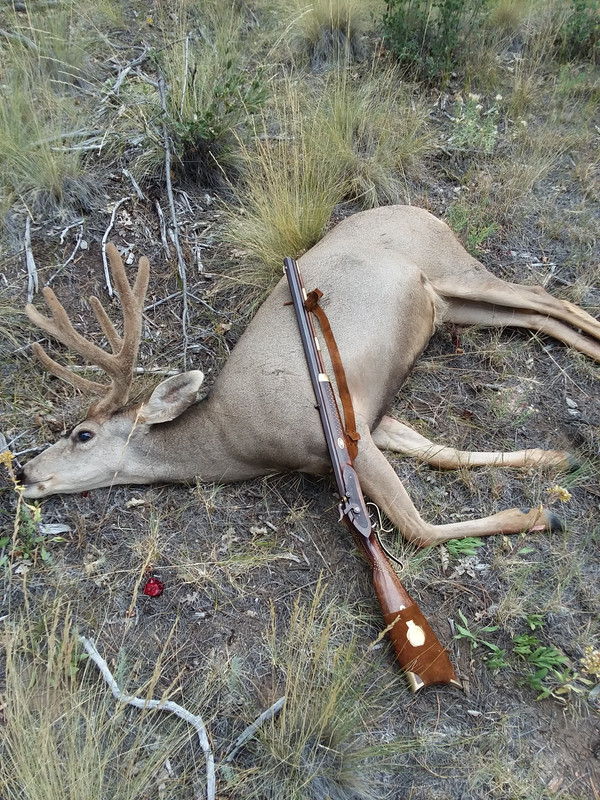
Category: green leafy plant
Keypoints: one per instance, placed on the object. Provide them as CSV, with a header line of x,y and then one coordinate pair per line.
x,y
534,621
475,127
471,224
495,658
202,117
463,548
547,661
582,31
28,540
426,35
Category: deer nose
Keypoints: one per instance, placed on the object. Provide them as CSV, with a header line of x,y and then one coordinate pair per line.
x,y
20,475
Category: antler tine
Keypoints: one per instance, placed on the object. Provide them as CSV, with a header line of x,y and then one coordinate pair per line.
x,y
83,384
60,328
125,348
119,364
108,329
126,294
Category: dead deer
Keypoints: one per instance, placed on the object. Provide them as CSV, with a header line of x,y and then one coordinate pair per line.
x,y
388,276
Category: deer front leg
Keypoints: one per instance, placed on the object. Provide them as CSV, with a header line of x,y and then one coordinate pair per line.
x,y
384,487
391,434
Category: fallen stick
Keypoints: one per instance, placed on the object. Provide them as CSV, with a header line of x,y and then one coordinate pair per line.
x,y
135,184
160,705
249,732
163,229
127,69
175,233
118,204
70,258
32,276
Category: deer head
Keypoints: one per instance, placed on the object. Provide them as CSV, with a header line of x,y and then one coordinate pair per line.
x,y
102,449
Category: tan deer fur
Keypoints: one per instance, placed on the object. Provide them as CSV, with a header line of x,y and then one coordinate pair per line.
x,y
383,274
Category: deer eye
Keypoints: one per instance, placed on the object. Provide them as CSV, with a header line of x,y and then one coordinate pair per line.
x,y
84,436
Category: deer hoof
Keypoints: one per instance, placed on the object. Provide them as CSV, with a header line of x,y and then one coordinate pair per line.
x,y
573,463
555,523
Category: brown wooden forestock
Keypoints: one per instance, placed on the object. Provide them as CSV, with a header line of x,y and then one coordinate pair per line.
x,y
418,649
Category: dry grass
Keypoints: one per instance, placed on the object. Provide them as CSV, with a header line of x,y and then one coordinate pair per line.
x,y
328,33
380,133
210,90
39,168
63,733
291,182
318,746
46,119
346,139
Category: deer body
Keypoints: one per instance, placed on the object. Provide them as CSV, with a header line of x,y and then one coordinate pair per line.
x,y
387,276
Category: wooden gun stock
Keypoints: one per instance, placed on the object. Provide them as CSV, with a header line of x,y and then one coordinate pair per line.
x,y
417,648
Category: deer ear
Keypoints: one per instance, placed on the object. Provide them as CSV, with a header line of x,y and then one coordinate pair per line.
x,y
171,397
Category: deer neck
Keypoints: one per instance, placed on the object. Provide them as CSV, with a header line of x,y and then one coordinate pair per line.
x,y
197,445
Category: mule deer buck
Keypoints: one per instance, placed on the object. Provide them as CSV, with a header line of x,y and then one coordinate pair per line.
x,y
387,275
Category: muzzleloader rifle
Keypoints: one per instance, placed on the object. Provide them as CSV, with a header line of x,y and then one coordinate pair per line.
x,y
417,648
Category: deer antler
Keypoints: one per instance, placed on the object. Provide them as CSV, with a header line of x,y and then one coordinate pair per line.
x,y
119,364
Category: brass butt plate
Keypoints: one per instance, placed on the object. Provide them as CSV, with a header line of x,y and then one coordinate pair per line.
x,y
414,681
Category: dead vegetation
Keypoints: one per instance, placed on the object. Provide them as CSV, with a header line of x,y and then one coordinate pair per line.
x,y
273,121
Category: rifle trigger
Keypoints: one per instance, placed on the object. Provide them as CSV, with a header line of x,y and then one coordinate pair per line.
x,y
376,517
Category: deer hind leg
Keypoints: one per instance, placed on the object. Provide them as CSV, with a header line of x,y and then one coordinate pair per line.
x,y
398,437
489,301
384,487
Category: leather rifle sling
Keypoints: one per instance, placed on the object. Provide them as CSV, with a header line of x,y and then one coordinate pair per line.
x,y
312,304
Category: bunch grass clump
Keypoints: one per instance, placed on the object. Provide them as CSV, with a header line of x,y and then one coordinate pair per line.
x,y
207,93
321,744
291,181
358,141
40,167
381,134
45,119
329,33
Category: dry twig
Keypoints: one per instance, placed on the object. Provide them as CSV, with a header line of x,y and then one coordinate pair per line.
x,y
135,184
127,69
70,258
32,276
118,204
160,705
163,229
175,234
249,732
